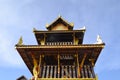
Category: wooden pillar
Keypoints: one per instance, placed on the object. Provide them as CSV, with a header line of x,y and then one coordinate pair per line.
x,y
74,38
39,69
78,68
58,65
44,39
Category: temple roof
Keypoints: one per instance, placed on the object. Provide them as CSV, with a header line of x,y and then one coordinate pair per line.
x,y
60,20
26,51
59,31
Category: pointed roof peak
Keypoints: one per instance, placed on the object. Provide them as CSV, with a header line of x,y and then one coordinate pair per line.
x,y
59,19
20,42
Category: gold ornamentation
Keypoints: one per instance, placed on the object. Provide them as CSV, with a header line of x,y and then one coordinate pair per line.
x,y
20,42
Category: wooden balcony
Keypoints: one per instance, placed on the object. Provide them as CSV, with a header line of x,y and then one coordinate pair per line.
x,y
66,72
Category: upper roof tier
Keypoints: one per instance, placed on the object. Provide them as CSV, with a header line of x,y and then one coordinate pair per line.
x,y
60,24
60,36
61,31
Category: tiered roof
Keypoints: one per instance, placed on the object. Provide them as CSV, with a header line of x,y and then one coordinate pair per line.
x,y
26,51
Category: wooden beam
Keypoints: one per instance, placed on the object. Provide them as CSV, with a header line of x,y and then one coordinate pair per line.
x,y
39,68
58,64
81,65
74,38
84,57
44,38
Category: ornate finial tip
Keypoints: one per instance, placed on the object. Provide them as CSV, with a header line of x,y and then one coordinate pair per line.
x,y
47,25
59,15
34,29
83,27
72,24
20,42
99,40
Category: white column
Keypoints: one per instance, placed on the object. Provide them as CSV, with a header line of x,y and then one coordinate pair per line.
x,y
74,72
70,71
82,73
62,71
47,72
51,71
89,71
43,74
55,68
86,72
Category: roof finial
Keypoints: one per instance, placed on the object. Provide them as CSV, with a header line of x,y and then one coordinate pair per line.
x,y
59,16
20,42
83,27
47,25
72,24
34,29
99,40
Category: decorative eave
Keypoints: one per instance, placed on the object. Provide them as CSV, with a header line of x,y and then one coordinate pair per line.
x,y
59,31
70,25
61,46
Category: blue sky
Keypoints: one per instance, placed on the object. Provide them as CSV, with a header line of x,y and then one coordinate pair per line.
x,y
19,17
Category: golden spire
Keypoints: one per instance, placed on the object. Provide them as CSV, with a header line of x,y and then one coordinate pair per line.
x,y
20,42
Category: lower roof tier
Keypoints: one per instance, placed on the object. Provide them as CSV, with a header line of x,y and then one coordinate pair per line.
x,y
92,52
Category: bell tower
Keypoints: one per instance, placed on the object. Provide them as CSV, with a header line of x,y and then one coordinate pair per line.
x,y
60,53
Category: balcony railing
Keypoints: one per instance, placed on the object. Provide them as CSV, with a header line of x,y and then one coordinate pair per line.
x,y
59,43
67,78
66,71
